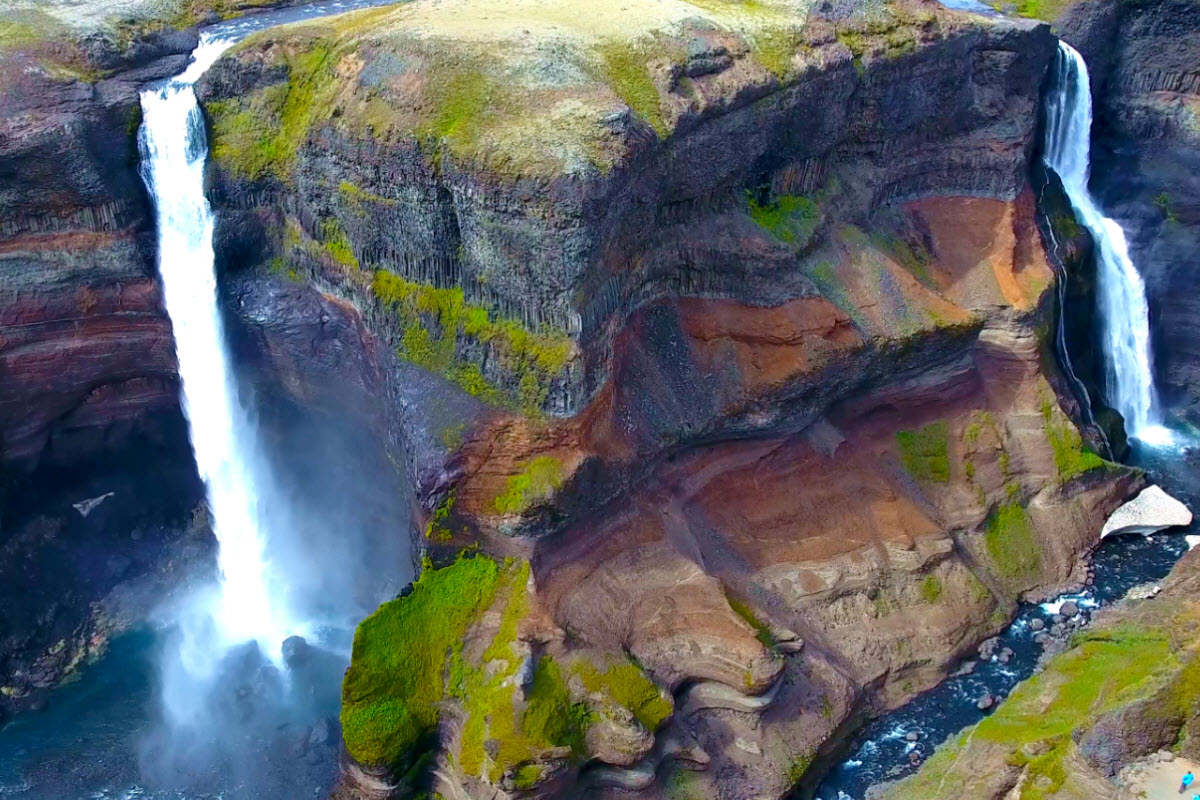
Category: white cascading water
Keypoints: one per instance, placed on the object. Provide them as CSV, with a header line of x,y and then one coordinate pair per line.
x,y
1124,313
174,149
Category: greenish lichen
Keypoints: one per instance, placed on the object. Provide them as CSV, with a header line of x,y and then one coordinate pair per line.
x,y
762,630
925,452
537,482
1010,542
791,218
1071,458
433,322
627,685
931,589
393,689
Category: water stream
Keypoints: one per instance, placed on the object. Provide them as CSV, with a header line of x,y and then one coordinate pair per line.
x,y
1120,291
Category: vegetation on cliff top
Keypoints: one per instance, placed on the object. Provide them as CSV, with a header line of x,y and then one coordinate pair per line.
x,y
393,688
436,74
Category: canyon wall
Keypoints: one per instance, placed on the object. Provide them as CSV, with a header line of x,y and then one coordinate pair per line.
x,y
741,369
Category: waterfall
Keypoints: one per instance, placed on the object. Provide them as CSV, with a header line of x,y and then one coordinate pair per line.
x,y
1121,294
245,607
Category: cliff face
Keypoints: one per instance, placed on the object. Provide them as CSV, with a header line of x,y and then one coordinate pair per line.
x,y
629,178
88,408
1146,80
755,323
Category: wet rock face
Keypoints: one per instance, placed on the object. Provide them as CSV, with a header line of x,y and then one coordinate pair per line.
x,y
1146,163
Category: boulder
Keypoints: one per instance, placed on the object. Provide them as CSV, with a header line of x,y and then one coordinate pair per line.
x,y
1152,510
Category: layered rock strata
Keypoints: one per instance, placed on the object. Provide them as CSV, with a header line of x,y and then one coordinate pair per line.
x,y
787,307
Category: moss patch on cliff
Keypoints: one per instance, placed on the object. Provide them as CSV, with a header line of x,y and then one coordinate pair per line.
x,y
506,730
762,630
1071,458
625,69
1008,535
925,452
434,321
1048,10
627,685
393,688
259,135
537,482
791,218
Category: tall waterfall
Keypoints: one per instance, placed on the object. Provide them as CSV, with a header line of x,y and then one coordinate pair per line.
x,y
224,441
1124,314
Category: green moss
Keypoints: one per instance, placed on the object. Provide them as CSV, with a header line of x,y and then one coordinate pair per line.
x,y
792,218
528,775
537,481
824,274
515,609
762,631
532,360
775,48
913,257
628,686
259,135
977,589
931,589
1071,458
358,197
1010,542
1048,10
925,452
624,69
1163,201
882,602
452,436
798,767
337,244
393,687
500,733
437,528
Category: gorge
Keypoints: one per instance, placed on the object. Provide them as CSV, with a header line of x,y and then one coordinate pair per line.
x,y
706,385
